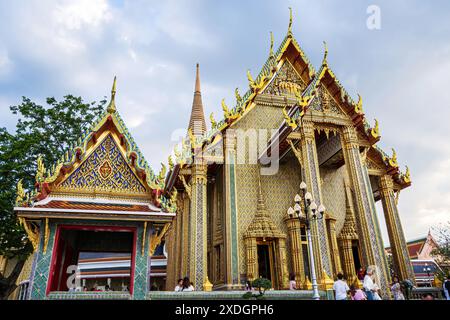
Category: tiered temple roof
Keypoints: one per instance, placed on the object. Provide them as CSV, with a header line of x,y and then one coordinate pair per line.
x,y
289,49
103,175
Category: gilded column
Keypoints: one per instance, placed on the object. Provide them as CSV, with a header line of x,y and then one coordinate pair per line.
x,y
186,235
232,277
346,237
402,263
293,226
198,226
283,274
179,240
311,176
369,233
251,258
331,223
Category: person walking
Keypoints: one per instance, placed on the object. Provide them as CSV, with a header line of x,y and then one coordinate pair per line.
x,y
446,287
368,284
396,289
340,288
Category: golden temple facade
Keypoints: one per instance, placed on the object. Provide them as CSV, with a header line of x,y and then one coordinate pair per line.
x,y
232,223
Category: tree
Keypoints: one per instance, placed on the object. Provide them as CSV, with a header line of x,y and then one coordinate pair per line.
x,y
46,131
442,251
262,284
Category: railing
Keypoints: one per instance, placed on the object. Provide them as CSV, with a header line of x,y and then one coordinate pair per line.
x,y
418,293
234,295
89,295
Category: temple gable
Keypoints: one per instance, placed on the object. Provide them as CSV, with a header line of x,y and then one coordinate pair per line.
x,y
286,81
105,169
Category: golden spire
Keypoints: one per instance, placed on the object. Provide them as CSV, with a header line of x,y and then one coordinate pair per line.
x,y
197,121
290,22
112,104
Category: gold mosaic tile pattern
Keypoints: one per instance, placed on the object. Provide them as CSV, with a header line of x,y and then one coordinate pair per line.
x,y
278,190
333,194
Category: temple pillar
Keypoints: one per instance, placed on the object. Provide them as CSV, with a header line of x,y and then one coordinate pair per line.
x,y
198,271
336,260
232,277
346,237
293,226
311,177
251,258
369,234
186,235
400,256
283,274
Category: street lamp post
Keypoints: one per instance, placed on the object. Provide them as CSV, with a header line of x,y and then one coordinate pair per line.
x,y
317,214
427,269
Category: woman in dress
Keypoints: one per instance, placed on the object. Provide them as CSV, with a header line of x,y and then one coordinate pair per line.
x,y
396,289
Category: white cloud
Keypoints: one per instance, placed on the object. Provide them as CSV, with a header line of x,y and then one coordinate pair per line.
x,y
73,15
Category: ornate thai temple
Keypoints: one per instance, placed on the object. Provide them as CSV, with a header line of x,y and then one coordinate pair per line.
x,y
100,208
233,222
223,206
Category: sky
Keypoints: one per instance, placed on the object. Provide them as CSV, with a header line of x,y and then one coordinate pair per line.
x,y
401,69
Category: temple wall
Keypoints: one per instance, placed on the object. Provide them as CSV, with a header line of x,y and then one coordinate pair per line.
x,y
333,193
278,190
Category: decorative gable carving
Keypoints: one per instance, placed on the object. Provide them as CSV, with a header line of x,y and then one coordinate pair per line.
x,y
286,81
324,102
105,170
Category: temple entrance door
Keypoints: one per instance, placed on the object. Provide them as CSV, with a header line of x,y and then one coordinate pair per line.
x,y
356,257
266,267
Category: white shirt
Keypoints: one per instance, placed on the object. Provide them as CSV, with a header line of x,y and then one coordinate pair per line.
x,y
368,283
177,288
190,288
341,288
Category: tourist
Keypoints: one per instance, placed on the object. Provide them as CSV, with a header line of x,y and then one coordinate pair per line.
x,y
340,288
408,286
427,296
361,274
107,288
376,292
446,287
396,289
248,286
179,285
368,285
292,283
187,285
356,293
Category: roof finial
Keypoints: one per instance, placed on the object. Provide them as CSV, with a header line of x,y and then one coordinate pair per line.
x,y
290,22
197,79
112,104
197,120
325,55
271,45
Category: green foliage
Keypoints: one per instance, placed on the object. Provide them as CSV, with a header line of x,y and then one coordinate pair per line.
x,y
46,131
442,235
262,284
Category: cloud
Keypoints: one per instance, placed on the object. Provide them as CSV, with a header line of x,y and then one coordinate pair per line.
x,y
52,48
